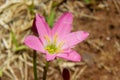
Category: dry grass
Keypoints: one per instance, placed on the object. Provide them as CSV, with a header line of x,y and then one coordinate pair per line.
x,y
15,23
16,61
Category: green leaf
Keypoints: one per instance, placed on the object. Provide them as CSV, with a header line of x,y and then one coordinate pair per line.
x,y
1,73
20,48
87,1
50,18
14,40
31,8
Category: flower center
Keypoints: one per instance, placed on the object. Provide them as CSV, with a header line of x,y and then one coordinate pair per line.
x,y
51,48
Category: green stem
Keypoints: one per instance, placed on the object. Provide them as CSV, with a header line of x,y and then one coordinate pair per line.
x,y
35,65
45,70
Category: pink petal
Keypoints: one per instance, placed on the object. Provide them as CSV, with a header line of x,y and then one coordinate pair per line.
x,y
34,43
70,55
41,26
74,38
50,57
63,25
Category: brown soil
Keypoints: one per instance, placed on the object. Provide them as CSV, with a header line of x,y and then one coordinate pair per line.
x,y
100,51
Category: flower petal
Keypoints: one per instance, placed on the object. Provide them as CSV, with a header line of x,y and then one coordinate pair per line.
x,y
41,26
63,25
34,43
34,28
50,57
74,38
70,55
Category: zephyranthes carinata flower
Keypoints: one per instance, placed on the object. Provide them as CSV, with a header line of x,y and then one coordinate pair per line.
x,y
58,41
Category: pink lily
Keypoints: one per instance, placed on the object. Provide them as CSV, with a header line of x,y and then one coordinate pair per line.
x,y
58,41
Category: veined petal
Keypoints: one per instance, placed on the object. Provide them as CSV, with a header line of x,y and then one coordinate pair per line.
x,y
63,25
41,26
70,55
74,38
50,57
34,43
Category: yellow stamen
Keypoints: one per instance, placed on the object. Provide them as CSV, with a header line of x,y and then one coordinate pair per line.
x,y
47,38
55,38
52,47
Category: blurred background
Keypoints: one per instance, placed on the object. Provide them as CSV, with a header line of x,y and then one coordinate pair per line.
x,y
100,52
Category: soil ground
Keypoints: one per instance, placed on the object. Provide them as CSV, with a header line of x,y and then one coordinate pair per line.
x,y
100,51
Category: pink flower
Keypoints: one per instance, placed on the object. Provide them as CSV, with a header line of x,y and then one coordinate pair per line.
x,y
58,41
